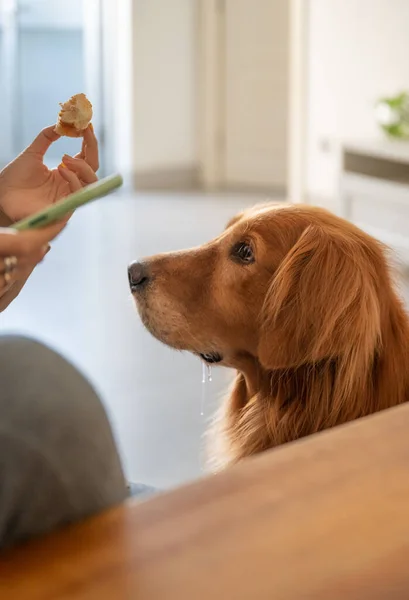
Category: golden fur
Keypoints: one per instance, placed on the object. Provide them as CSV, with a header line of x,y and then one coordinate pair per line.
x,y
313,326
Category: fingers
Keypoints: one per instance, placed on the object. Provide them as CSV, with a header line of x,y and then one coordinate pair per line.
x,y
89,151
81,168
91,148
28,245
43,141
18,266
20,252
79,171
71,178
18,274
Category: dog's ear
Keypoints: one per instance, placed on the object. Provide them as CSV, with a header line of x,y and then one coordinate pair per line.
x,y
322,302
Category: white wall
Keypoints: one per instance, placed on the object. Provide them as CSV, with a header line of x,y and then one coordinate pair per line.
x,y
164,84
358,51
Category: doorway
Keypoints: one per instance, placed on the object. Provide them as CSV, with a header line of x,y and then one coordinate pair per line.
x,y
245,74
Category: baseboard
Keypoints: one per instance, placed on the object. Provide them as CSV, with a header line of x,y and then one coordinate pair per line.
x,y
167,178
188,178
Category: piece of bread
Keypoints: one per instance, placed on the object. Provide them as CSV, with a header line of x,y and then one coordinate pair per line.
x,y
75,116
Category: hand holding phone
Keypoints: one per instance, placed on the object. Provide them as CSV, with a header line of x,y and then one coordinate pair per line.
x,y
62,208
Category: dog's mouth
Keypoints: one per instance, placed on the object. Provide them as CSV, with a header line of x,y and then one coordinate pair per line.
x,y
211,358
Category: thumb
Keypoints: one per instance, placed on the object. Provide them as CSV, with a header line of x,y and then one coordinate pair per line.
x,y
43,141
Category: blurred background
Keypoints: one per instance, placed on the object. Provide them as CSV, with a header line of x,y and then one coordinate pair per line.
x,y
206,106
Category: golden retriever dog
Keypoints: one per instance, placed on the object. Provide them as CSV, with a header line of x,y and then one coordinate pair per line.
x,y
301,304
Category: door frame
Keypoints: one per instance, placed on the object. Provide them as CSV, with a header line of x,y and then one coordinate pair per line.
x,y
112,79
210,99
210,114
94,68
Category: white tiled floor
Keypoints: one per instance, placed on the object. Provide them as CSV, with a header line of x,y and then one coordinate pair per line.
x,y
78,301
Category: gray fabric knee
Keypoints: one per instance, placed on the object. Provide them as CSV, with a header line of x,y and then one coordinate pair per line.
x,y
58,459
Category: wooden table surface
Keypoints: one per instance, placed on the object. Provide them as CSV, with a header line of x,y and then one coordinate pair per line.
x,y
325,518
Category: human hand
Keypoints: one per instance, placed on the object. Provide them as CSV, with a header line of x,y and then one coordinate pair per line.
x,y
27,185
20,252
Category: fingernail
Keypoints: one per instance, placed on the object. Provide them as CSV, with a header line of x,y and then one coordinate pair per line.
x,y
67,158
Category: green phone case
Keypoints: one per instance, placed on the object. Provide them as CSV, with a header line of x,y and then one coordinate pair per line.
x,y
70,203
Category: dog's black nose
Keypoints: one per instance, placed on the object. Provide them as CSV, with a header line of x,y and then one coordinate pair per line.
x,y
138,276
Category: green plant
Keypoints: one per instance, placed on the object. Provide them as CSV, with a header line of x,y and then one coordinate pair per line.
x,y
392,115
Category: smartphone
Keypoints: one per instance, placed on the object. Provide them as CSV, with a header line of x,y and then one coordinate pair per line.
x,y
63,207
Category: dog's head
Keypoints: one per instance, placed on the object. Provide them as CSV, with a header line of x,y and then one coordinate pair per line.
x,y
282,285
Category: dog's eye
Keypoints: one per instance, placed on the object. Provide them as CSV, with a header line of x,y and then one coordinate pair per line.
x,y
243,252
